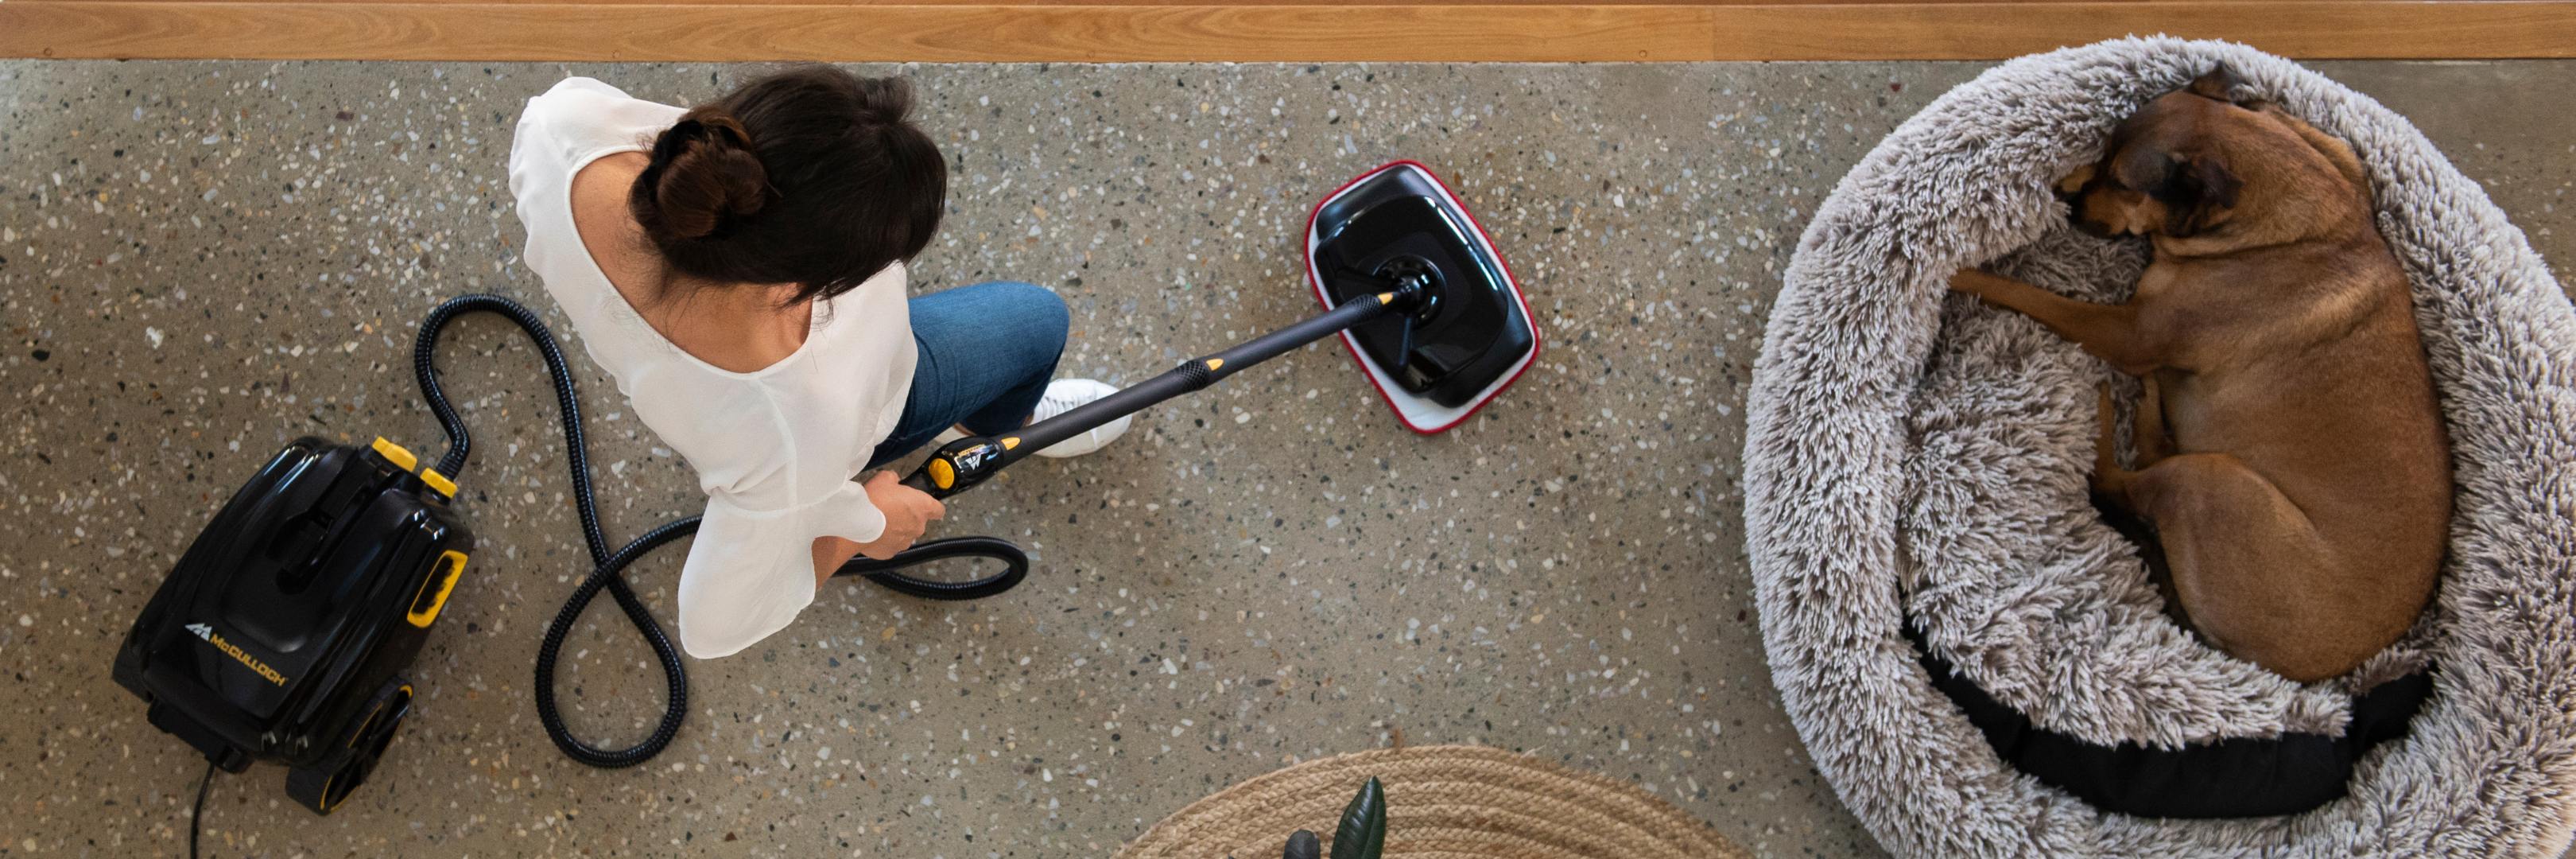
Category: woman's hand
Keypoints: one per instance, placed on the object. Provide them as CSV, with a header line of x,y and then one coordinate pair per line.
x,y
908,512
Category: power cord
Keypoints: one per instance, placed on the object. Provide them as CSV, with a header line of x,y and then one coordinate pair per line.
x,y
197,817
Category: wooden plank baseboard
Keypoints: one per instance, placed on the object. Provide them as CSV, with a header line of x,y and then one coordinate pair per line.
x,y
1259,32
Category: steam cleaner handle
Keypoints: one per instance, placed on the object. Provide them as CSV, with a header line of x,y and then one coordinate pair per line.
x,y
958,465
920,479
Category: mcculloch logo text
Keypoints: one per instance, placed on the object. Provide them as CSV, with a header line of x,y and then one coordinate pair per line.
x,y
208,633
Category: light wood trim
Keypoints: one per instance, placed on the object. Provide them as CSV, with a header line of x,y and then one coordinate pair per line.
x,y
1231,3
1260,32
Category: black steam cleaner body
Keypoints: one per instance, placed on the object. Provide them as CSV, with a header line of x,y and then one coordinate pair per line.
x,y
282,633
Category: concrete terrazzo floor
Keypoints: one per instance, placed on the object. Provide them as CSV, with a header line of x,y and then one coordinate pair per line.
x,y
199,261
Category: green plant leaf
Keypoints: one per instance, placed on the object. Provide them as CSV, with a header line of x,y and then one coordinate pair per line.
x,y
1362,834
1304,846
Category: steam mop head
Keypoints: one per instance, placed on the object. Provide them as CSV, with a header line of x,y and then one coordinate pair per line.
x,y
1471,334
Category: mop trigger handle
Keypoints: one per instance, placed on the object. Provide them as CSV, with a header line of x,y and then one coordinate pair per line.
x,y
959,465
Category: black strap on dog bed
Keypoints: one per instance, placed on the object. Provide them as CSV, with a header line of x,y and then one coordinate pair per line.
x,y
2236,777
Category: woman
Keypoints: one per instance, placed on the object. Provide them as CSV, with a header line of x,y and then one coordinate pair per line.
x,y
738,267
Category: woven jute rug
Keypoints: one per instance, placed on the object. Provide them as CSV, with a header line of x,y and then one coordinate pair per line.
x,y
1443,802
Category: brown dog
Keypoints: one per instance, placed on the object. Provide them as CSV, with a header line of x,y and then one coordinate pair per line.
x,y
2290,453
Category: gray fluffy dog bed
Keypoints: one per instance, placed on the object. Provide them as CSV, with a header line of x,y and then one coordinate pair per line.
x,y
1916,456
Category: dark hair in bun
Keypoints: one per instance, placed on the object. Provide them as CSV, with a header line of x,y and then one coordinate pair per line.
x,y
811,176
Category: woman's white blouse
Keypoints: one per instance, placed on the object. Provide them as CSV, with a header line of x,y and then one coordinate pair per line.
x,y
775,449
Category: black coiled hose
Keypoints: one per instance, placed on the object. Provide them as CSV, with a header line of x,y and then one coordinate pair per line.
x,y
606,567
1015,566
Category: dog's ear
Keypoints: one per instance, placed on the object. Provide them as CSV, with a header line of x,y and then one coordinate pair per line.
x,y
2220,83
2197,191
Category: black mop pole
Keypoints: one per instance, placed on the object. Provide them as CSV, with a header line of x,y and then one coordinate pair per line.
x,y
962,464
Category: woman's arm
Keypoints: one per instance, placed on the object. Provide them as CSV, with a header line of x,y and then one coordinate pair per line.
x,y
908,512
829,554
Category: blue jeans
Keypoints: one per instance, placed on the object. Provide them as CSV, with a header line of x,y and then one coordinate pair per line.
x,y
986,354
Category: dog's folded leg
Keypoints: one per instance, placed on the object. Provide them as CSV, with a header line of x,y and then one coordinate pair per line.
x,y
2219,523
2147,432
2107,331
2110,481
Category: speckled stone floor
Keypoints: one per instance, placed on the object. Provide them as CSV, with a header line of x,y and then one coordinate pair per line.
x,y
199,261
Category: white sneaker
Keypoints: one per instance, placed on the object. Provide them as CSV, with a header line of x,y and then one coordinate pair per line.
x,y
1062,395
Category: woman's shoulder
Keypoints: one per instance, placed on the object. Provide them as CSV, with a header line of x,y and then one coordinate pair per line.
x,y
585,100
579,117
564,165
579,84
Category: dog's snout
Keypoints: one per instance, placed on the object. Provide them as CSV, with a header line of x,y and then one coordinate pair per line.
x,y
2074,183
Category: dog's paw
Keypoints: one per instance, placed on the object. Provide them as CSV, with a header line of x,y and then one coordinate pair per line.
x,y
1971,281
